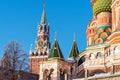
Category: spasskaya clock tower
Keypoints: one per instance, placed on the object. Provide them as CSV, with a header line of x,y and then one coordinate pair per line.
x,y
42,43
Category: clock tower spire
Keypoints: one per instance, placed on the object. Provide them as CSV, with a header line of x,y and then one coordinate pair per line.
x,y
42,47
43,18
43,43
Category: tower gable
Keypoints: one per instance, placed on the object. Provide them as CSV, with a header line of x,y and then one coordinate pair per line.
x,y
74,51
56,51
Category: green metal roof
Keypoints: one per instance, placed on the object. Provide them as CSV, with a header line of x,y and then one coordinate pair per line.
x,y
55,52
74,51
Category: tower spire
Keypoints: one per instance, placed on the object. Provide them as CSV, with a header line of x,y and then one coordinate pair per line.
x,y
74,50
43,18
74,36
55,35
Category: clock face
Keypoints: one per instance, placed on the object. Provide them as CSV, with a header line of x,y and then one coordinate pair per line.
x,y
40,43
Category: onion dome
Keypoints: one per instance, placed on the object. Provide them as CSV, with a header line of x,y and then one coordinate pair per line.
x,y
101,6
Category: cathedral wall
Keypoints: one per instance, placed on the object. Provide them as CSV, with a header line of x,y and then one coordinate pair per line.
x,y
115,15
58,68
103,77
107,62
64,67
115,77
91,31
48,68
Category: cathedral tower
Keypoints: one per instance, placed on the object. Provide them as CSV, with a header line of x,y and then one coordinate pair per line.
x,y
100,27
42,47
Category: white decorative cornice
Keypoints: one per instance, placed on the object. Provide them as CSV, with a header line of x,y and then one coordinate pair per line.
x,y
97,46
39,57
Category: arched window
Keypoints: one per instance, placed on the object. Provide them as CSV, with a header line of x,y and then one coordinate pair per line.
x,y
41,53
92,56
45,53
117,49
32,54
45,29
46,74
99,55
41,28
106,53
81,60
63,74
93,24
36,53
109,51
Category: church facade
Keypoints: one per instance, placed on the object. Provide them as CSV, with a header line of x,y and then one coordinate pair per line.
x,y
100,59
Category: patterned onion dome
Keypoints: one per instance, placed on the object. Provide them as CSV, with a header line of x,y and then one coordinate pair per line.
x,y
101,6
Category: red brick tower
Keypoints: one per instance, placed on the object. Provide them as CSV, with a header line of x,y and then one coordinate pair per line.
x,y
42,45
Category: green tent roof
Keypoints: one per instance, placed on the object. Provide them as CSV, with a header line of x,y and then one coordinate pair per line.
x,y
74,51
55,52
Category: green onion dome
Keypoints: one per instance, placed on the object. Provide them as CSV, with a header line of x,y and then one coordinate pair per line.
x,y
101,6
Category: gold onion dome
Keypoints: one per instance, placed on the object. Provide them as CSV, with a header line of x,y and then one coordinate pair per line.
x,y
101,6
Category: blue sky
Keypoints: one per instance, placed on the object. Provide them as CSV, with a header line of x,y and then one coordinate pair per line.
x,y
19,20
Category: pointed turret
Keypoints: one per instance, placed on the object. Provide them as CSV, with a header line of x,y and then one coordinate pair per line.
x,y
74,51
55,52
43,18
